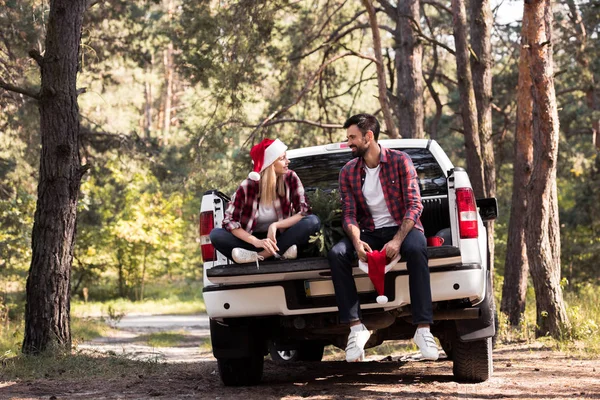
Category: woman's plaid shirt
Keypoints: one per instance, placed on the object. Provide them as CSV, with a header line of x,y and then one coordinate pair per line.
x,y
400,185
243,207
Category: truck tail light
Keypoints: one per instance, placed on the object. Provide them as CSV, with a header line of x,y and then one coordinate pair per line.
x,y
207,223
467,213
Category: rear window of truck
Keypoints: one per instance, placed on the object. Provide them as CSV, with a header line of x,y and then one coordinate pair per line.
x,y
321,171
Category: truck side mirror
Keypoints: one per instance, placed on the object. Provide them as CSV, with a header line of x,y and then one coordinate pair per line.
x,y
488,208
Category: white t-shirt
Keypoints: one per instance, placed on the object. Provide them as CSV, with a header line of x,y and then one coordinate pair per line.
x,y
265,216
375,201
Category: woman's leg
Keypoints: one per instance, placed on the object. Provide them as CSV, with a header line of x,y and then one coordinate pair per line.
x,y
224,241
299,233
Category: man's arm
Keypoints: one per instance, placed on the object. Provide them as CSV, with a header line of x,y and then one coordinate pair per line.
x,y
349,221
392,248
411,197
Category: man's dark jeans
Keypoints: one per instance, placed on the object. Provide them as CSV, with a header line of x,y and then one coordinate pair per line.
x,y
298,235
414,250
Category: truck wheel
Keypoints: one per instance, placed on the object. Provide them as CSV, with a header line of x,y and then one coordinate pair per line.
x,y
472,360
245,371
306,351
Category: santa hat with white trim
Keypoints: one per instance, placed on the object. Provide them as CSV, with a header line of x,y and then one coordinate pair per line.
x,y
264,154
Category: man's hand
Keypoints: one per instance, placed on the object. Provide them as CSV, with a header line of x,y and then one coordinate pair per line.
x,y
392,248
362,249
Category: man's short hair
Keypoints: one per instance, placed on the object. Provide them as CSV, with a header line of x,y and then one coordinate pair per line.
x,y
364,122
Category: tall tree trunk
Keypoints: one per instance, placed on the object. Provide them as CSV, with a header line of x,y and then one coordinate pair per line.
x,y
392,132
467,99
481,67
47,313
409,70
169,71
516,268
542,238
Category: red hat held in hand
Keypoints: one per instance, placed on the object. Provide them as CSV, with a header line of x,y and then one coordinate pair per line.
x,y
376,267
264,154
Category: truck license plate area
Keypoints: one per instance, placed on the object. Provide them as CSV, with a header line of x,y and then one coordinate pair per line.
x,y
324,287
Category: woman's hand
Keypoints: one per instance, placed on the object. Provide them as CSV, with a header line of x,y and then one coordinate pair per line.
x,y
268,244
272,232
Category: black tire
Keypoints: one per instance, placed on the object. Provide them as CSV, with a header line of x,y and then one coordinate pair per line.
x,y
305,351
472,360
246,371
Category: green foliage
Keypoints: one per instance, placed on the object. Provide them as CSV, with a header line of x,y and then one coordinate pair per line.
x,y
583,310
327,206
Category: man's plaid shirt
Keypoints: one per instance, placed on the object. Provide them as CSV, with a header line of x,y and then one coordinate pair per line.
x,y
400,185
243,207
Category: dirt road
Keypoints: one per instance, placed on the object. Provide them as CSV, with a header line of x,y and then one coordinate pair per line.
x,y
524,371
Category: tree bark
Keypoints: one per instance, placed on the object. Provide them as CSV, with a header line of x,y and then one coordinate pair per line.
x,y
409,70
481,67
516,268
392,132
47,313
467,99
542,238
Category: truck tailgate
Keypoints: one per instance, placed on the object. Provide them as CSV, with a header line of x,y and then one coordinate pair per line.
x,y
310,268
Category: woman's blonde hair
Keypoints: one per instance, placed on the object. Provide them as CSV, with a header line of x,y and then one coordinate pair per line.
x,y
271,185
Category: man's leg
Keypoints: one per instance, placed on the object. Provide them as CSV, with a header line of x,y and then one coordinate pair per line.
x,y
414,251
341,259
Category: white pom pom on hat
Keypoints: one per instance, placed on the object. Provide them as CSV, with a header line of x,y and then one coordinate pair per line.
x,y
255,176
264,154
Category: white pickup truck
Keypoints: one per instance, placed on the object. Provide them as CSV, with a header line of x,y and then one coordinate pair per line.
x,y
288,308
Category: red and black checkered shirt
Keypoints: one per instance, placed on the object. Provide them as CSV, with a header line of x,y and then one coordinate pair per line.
x,y
400,185
243,207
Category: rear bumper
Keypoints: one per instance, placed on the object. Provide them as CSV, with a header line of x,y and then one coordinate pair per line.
x,y
293,297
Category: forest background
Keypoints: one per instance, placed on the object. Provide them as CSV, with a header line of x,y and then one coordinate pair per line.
x,y
174,93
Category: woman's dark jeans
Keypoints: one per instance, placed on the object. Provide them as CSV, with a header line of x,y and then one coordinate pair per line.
x,y
297,234
414,250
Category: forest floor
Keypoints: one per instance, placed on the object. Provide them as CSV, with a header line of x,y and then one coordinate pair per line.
x,y
124,366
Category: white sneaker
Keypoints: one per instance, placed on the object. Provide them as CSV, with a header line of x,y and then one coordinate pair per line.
x,y
291,253
242,256
426,343
355,349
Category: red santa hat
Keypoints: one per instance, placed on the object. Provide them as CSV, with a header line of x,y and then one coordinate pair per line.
x,y
264,154
376,267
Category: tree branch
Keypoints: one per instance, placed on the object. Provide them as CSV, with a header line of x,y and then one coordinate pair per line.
x,y
388,7
91,3
36,56
360,82
302,121
305,90
26,92
570,90
422,35
336,35
437,5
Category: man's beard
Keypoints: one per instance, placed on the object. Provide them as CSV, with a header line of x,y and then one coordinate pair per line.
x,y
359,151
